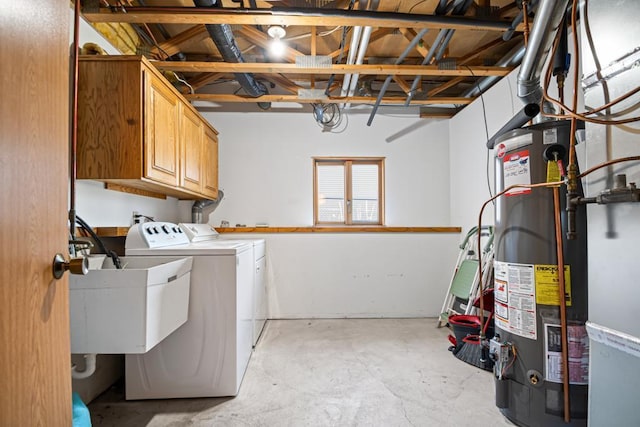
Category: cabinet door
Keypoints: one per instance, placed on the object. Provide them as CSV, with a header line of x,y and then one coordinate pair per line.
x,y
191,133
161,131
210,163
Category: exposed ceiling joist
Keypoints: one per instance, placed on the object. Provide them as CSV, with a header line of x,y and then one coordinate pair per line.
x,y
174,44
305,17
222,98
402,83
444,86
282,81
364,69
204,79
410,34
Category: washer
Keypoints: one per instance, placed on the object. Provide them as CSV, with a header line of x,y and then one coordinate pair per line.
x,y
209,354
197,232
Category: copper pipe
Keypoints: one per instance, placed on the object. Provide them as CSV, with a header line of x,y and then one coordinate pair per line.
x,y
525,19
609,163
563,304
74,121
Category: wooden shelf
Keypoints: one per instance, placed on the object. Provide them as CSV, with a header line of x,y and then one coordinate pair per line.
x,y
122,231
350,229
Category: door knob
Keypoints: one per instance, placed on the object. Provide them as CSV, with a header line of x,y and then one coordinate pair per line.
x,y
74,265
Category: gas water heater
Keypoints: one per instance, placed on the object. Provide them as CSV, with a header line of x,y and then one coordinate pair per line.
x,y
527,349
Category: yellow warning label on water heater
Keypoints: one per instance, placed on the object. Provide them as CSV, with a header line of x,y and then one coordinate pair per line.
x,y
553,172
546,277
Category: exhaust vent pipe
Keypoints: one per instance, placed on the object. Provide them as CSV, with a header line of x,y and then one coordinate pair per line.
x,y
547,24
222,36
199,205
545,27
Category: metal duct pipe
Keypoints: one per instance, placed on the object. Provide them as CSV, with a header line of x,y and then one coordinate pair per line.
x,y
199,205
439,46
546,25
222,36
511,59
439,39
528,112
359,44
398,61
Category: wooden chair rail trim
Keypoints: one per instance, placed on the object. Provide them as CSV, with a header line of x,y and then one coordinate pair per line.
x,y
122,231
333,229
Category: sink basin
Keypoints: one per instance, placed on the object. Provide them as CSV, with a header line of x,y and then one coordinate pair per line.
x,y
128,310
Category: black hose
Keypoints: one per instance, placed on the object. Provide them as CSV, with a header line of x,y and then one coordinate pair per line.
x,y
111,254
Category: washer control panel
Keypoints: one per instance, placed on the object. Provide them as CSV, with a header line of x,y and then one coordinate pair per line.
x,y
199,232
155,235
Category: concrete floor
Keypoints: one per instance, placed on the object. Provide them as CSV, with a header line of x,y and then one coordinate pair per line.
x,y
344,372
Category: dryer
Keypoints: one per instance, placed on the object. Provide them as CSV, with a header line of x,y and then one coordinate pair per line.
x,y
209,354
197,232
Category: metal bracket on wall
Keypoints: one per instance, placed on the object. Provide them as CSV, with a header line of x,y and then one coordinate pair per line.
x,y
620,65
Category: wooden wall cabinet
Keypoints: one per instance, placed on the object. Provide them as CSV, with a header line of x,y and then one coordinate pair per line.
x,y
136,130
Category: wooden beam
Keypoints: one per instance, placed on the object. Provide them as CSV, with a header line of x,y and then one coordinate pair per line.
x,y
259,38
375,35
479,51
204,79
221,98
437,113
444,86
173,45
303,17
282,81
410,34
365,69
404,85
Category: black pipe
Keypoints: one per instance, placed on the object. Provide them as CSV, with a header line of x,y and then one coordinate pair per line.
x,y
528,112
163,31
222,36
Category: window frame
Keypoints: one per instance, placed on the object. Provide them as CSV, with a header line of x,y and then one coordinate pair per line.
x,y
348,163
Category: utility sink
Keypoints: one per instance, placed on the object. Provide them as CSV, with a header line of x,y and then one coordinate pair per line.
x,y
129,310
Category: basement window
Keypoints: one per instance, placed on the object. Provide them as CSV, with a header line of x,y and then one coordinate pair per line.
x,y
348,191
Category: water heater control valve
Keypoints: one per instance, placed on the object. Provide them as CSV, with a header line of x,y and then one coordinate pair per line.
x,y
501,354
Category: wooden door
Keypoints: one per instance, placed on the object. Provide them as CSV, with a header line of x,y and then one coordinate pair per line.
x,y
34,314
191,146
161,131
210,164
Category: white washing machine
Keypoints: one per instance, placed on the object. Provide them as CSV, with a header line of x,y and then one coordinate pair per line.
x,y
196,232
209,354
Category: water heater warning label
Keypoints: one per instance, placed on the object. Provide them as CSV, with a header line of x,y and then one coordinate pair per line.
x,y
517,170
547,284
578,343
515,295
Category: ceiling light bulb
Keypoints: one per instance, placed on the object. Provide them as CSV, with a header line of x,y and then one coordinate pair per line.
x,y
276,32
276,47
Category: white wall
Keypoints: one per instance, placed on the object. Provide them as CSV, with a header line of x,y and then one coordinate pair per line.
x,y
266,174
266,169
468,151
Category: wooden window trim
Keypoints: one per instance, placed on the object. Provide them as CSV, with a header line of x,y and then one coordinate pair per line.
x,y
348,162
